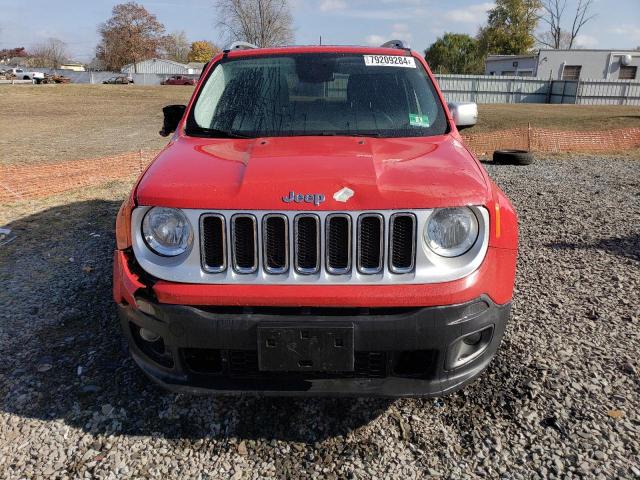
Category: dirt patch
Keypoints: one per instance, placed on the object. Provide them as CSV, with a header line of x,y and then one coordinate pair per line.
x,y
56,123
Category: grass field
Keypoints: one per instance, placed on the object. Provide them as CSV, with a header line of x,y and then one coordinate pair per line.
x,y
560,117
53,123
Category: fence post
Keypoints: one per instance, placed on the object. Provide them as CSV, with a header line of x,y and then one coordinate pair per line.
x,y
474,90
549,90
529,136
624,97
140,161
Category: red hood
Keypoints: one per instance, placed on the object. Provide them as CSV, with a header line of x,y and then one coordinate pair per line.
x,y
254,174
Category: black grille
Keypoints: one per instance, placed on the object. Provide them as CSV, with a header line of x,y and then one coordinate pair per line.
x,y
370,364
250,242
244,243
243,363
213,247
403,231
367,364
307,239
202,360
370,238
275,238
338,246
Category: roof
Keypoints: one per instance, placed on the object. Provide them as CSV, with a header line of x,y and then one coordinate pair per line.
x,y
613,50
162,60
565,50
316,49
508,57
156,65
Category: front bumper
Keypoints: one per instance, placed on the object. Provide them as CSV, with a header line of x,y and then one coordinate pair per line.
x,y
400,351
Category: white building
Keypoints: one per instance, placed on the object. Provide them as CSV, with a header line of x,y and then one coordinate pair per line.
x,y
74,67
568,64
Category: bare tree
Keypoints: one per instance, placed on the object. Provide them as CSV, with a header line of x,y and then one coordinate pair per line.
x,y
546,39
51,53
553,14
265,23
176,47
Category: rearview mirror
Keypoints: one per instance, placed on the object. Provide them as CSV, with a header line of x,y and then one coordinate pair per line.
x,y
172,116
465,114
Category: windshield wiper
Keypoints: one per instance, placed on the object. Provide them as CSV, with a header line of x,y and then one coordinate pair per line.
x,y
364,134
335,134
217,133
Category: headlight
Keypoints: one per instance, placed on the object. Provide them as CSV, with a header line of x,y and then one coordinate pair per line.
x,y
167,231
450,232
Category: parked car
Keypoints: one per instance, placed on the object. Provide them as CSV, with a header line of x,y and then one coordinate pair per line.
x,y
316,226
119,80
22,74
179,80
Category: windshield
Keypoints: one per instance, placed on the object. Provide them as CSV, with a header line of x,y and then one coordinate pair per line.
x,y
318,94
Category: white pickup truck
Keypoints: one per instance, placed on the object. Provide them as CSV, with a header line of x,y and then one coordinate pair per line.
x,y
25,75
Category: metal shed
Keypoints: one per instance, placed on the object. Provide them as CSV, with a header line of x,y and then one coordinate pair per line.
x,y
157,65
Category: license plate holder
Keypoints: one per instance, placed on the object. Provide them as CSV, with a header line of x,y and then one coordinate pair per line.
x,y
305,348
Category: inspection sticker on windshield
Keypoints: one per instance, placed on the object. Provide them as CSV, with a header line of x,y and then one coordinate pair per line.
x,y
419,120
389,61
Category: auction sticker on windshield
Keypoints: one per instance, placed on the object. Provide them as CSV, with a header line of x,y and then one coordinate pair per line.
x,y
389,61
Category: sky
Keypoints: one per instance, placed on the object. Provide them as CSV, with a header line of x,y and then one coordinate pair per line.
x,y
363,22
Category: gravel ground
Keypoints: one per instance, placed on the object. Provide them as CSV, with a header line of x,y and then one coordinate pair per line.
x,y
560,400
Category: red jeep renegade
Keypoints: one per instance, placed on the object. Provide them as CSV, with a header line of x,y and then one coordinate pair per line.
x,y
315,226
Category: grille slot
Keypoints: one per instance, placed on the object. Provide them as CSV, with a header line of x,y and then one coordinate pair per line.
x,y
338,243
402,241
275,238
307,244
370,243
244,241
214,254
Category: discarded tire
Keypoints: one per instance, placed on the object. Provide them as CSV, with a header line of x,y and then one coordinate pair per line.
x,y
512,157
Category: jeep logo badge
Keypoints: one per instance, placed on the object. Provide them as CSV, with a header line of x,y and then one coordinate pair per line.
x,y
315,198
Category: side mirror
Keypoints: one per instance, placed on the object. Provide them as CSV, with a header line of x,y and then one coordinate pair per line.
x,y
465,115
172,116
